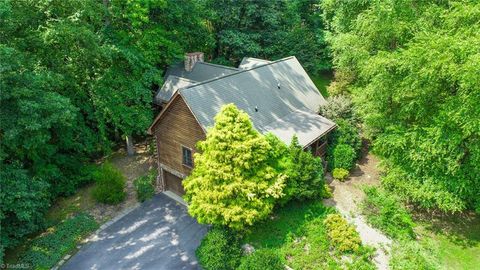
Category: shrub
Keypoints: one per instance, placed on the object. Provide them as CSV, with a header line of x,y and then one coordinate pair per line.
x,y
339,108
346,133
220,249
408,255
110,185
343,156
327,191
264,259
305,173
340,174
385,212
45,251
145,186
342,235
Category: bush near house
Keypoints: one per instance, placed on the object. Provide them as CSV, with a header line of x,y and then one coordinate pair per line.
x,y
342,235
220,250
340,174
110,185
305,178
46,250
145,186
385,212
264,259
343,156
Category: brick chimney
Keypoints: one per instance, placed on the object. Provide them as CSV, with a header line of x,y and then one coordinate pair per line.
x,y
191,59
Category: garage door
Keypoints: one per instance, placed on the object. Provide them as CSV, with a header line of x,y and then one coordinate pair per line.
x,y
173,183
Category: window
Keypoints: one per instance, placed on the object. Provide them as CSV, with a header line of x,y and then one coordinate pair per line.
x,y
187,156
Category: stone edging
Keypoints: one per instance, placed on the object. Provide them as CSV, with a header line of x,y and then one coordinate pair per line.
x,y
94,234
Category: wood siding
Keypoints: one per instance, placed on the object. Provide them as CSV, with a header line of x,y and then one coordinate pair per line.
x,y
177,127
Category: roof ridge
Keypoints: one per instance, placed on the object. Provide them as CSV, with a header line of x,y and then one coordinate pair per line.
x,y
236,73
182,78
216,65
259,59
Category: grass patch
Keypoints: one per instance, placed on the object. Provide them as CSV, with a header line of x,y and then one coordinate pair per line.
x,y
297,233
47,249
322,81
434,241
456,238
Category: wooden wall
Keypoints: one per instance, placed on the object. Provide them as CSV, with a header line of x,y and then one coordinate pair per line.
x,y
177,127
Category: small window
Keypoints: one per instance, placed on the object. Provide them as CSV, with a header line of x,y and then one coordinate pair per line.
x,y
187,156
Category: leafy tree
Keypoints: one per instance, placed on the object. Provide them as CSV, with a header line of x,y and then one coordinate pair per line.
x,y
269,30
233,182
414,67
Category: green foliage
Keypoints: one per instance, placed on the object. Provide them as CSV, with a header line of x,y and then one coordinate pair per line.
x,y
234,182
340,174
269,30
263,259
109,185
46,250
385,212
339,108
343,236
145,186
296,231
346,133
24,200
343,156
413,73
412,255
305,178
220,250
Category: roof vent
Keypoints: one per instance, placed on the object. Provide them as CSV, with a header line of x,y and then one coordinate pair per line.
x,y
256,108
278,85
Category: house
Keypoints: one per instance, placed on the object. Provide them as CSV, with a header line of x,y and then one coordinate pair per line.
x,y
278,96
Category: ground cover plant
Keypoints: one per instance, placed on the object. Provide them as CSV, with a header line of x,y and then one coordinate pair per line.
x,y
385,211
220,249
47,249
297,233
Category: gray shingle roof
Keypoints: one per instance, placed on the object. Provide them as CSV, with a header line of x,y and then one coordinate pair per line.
x,y
171,85
281,91
250,62
308,127
201,71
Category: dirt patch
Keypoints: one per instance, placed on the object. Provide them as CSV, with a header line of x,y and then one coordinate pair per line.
x,y
132,167
347,197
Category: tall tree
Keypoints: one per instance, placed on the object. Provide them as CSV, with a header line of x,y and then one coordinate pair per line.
x,y
233,182
413,66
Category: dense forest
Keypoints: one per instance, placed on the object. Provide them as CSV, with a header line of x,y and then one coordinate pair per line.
x,y
77,77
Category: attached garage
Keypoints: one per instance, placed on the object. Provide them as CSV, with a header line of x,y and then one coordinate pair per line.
x,y
173,183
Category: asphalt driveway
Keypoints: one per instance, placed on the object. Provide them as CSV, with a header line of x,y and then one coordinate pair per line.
x,y
159,234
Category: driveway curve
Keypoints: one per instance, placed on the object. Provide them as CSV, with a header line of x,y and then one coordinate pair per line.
x,y
159,234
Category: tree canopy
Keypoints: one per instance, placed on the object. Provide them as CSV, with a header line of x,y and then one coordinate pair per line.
x,y
414,78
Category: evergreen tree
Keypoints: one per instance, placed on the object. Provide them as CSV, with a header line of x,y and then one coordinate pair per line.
x,y
233,182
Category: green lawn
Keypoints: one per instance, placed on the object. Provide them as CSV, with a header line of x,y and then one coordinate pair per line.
x,y
297,233
457,240
322,81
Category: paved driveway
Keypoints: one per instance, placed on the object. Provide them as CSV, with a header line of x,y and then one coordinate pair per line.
x,y
159,234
